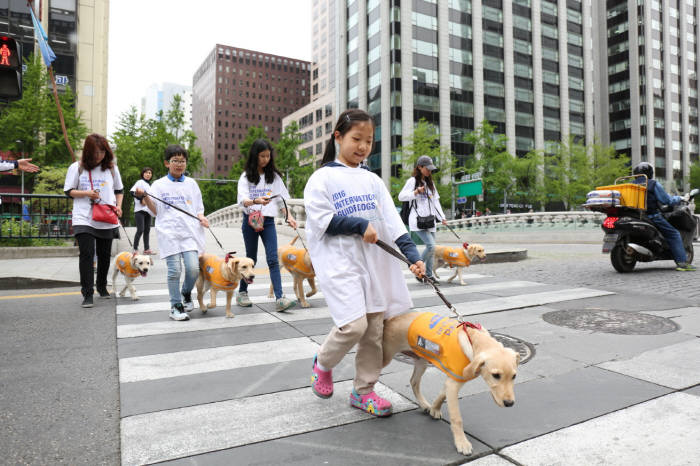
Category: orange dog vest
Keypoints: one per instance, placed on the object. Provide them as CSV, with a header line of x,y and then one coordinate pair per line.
x,y
294,259
434,337
455,257
123,262
211,269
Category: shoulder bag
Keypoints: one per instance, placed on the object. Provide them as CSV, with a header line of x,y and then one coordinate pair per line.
x,y
427,222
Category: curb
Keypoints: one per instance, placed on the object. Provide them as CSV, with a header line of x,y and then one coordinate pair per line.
x,y
32,252
513,255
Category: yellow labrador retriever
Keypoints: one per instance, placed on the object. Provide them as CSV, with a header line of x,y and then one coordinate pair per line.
x,y
131,266
298,262
457,257
220,274
462,351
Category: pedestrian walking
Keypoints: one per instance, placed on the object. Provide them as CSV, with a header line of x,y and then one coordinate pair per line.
x,y
142,217
425,209
348,208
95,185
180,237
260,193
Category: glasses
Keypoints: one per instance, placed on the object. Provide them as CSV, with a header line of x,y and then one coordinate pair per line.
x,y
178,161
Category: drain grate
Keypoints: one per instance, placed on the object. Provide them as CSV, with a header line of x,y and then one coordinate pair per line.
x,y
608,321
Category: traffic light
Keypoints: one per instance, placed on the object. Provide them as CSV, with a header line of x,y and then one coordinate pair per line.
x,y
10,69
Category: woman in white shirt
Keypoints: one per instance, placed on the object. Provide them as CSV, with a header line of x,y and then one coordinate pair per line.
x,y
94,179
141,212
424,202
261,189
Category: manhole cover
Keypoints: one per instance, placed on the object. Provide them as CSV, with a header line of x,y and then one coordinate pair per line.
x,y
618,322
525,349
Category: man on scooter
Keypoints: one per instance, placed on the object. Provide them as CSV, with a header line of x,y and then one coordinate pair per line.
x,y
657,196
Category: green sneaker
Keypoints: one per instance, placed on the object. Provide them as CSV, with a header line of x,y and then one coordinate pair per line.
x,y
243,300
285,303
686,268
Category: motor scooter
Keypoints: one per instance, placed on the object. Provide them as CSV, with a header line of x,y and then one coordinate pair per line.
x,y
631,237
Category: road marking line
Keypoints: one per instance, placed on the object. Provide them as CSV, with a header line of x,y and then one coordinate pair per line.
x,y
47,295
195,325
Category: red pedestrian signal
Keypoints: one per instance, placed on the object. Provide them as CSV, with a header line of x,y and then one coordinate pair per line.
x,y
10,69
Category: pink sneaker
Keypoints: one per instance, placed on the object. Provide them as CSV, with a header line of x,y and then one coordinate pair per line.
x,y
321,381
371,403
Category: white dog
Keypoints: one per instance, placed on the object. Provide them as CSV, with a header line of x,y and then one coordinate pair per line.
x,y
130,266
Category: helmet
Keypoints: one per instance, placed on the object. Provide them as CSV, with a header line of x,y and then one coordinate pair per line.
x,y
644,168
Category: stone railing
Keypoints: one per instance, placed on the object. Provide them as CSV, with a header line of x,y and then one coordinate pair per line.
x,y
232,216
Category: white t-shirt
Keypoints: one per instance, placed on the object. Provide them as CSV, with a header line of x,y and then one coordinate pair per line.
x,y
102,181
139,205
176,231
356,278
427,203
246,190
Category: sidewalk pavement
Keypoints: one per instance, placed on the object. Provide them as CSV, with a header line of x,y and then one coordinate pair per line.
x,y
64,269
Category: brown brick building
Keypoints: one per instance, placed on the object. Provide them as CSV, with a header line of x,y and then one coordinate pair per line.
x,y
234,89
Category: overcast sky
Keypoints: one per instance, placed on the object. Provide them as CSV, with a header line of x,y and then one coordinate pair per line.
x,y
154,41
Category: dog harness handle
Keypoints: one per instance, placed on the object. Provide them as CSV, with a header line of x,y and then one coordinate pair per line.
x,y
464,324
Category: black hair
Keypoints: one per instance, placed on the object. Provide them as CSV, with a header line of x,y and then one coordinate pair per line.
x,y
147,169
419,179
346,121
251,164
175,149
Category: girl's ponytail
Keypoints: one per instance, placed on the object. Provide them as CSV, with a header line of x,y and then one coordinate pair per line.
x,y
346,121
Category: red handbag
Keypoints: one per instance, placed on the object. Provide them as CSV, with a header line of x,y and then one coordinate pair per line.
x,y
105,213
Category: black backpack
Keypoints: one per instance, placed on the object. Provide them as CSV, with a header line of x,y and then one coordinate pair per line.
x,y
406,210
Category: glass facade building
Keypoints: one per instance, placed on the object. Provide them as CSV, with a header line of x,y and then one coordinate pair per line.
x,y
649,92
519,64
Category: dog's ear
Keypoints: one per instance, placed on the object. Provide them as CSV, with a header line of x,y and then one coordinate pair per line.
x,y
133,260
517,357
235,262
473,370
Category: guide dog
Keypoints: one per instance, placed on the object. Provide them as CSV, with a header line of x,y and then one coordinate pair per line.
x,y
457,257
298,263
463,351
217,274
130,266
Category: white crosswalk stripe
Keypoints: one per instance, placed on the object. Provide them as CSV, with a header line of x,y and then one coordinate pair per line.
x,y
257,366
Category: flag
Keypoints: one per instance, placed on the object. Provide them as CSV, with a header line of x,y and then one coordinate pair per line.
x,y
42,38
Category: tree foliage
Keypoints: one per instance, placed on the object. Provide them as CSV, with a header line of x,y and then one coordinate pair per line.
x,y
425,141
140,142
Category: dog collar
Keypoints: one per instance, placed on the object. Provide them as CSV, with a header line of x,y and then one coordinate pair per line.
x,y
464,326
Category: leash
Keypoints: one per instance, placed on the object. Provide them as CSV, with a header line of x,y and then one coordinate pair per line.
x,y
425,279
295,230
453,232
188,214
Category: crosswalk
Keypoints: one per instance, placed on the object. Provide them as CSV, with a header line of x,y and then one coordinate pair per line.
x,y
214,384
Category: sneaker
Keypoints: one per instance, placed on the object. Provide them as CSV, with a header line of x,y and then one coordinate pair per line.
x,y
148,252
243,300
104,293
178,312
285,303
187,302
371,403
87,301
321,381
686,268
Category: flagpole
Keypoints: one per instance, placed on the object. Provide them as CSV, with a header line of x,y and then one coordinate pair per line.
x,y
53,83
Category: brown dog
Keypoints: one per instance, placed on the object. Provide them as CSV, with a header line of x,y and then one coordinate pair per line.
x,y
462,351
457,257
130,266
220,274
298,263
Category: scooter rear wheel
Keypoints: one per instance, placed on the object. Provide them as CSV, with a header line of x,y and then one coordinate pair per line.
x,y
622,261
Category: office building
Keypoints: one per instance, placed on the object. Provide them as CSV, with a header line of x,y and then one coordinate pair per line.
x,y
521,65
159,98
234,89
315,121
649,89
78,33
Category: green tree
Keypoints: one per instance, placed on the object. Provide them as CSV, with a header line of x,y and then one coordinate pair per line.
x,y
425,141
529,188
694,181
254,132
34,119
296,175
50,180
492,159
140,142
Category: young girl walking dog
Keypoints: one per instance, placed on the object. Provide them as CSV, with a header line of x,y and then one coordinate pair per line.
x,y
348,208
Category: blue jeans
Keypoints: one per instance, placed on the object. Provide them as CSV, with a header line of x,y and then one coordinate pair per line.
x,y
191,261
269,239
428,237
673,238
